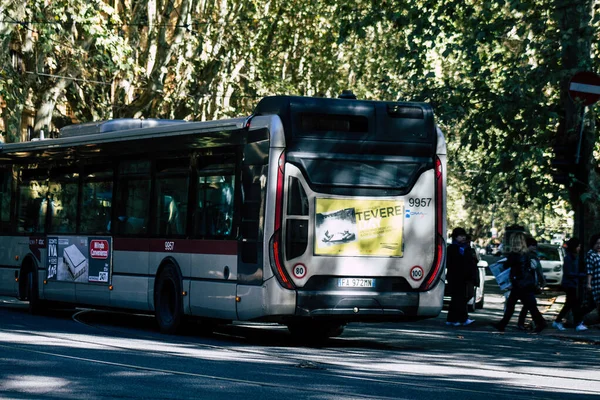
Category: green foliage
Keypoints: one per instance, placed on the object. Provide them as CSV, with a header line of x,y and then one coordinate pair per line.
x,y
493,70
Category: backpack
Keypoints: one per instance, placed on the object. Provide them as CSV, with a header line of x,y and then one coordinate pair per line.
x,y
523,275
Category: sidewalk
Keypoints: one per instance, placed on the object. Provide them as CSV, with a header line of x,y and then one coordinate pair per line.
x,y
550,302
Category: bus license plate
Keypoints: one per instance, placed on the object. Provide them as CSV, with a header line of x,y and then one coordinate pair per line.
x,y
356,282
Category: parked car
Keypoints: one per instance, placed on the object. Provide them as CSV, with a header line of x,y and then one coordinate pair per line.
x,y
477,301
552,259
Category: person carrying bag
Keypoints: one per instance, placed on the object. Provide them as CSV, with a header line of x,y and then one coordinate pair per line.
x,y
536,270
523,284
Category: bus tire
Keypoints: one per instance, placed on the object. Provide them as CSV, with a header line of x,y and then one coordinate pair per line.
x,y
168,301
36,305
310,331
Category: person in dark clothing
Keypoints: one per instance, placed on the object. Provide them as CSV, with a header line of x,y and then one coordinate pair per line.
x,y
592,266
523,284
540,281
570,282
462,276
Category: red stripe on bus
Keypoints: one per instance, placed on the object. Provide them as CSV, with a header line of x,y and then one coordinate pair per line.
x,y
223,247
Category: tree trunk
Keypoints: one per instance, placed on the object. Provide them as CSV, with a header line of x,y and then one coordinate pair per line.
x,y
162,46
574,21
48,99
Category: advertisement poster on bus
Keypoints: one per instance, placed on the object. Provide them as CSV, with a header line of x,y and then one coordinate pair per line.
x,y
359,227
79,259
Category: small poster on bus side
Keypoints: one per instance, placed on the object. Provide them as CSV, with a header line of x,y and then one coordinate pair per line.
x,y
79,259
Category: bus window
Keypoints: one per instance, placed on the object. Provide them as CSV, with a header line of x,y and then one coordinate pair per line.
x,y
5,197
297,229
214,213
32,189
298,201
96,201
62,190
133,192
172,183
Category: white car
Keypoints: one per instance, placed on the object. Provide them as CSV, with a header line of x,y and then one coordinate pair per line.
x,y
552,259
477,301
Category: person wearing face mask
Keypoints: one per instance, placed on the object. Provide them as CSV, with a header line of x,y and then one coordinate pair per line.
x,y
462,276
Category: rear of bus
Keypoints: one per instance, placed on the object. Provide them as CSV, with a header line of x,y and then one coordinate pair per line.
x,y
359,209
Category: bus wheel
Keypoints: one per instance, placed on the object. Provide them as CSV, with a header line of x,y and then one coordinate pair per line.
x,y
36,306
315,330
168,302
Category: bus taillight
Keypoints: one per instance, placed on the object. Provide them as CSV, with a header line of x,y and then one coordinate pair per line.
x,y
276,248
439,226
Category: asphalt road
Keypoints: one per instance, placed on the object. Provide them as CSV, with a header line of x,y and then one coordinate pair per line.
x,y
87,354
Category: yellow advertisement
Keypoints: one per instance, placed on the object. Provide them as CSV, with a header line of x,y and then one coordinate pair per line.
x,y
359,227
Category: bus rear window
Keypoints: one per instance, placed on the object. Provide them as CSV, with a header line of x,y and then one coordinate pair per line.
x,y
311,123
363,173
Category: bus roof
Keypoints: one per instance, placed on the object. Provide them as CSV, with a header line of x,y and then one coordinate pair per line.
x,y
88,138
377,121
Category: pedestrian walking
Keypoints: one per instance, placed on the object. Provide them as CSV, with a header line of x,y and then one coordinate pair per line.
x,y
570,282
592,263
462,276
523,284
540,281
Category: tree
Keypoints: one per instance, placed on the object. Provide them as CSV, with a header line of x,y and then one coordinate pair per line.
x,y
493,70
576,21
14,84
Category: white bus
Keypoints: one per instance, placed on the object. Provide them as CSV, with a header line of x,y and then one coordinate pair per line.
x,y
312,212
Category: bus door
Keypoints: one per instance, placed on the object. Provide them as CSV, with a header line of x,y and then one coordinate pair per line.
x,y
250,237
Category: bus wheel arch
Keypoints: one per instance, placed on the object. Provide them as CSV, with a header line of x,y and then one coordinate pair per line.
x,y
168,298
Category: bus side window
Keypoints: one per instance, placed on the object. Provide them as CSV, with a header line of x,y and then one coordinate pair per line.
x,y
5,198
97,200
172,186
169,219
214,212
62,200
31,213
133,192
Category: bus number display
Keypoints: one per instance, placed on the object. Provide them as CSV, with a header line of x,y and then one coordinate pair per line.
x,y
420,202
169,246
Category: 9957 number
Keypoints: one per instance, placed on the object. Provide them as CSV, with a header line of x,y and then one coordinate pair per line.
x,y
420,202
